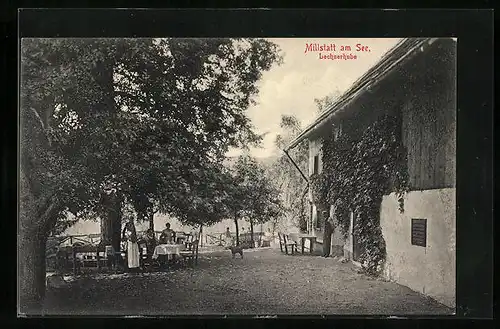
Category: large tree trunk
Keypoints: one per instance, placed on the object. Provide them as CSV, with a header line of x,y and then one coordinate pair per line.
x,y
31,273
237,231
106,230
261,233
111,223
201,235
251,234
116,237
37,217
274,223
151,221
116,223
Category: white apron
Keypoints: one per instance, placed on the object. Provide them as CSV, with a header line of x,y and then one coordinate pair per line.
x,y
132,252
228,241
132,255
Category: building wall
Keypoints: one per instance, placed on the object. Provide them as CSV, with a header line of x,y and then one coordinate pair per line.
x,y
429,129
431,269
425,93
315,149
429,119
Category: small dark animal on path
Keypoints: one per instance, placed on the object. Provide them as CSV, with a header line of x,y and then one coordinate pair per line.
x,y
236,250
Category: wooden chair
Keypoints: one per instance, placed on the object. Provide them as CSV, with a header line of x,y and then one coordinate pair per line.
x,y
143,252
87,260
181,239
289,244
109,256
191,254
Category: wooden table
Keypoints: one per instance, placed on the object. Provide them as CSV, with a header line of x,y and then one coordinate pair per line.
x,y
312,240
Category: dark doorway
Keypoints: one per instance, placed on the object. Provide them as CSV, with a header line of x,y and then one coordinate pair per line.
x,y
356,247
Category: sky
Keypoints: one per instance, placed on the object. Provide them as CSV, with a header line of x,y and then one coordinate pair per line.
x,y
292,87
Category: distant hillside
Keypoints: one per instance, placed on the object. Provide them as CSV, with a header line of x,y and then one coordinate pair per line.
x,y
266,161
230,161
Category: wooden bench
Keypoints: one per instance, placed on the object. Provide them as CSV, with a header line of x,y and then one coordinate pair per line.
x,y
191,254
91,259
287,244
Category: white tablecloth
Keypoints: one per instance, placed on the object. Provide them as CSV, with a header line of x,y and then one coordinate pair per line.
x,y
168,249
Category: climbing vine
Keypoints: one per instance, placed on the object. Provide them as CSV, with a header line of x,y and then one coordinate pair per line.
x,y
302,217
319,190
358,173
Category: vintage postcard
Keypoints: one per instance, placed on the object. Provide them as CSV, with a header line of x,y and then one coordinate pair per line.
x,y
251,176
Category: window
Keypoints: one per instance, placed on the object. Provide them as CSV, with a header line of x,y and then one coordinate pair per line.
x,y
318,220
419,232
315,164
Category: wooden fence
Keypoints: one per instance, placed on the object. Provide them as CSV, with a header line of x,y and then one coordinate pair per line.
x,y
64,253
218,239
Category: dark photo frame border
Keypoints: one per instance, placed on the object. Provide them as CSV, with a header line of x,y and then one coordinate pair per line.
x,y
475,94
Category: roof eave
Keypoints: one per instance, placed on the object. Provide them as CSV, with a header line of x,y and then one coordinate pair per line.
x,y
339,107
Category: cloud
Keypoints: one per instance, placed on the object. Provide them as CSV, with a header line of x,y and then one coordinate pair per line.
x,y
292,87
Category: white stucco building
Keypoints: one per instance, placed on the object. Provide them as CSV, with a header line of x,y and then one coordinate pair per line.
x,y
416,79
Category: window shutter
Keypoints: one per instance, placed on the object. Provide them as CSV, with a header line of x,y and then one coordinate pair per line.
x,y
316,165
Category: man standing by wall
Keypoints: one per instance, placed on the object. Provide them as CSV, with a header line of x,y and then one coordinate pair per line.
x,y
329,227
327,232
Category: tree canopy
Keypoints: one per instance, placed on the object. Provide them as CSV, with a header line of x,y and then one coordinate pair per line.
x,y
259,197
323,103
251,194
287,179
129,118
136,116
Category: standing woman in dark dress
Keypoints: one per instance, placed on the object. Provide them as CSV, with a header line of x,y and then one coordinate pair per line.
x,y
150,240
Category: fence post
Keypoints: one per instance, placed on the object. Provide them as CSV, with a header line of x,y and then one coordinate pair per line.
x,y
74,259
98,258
66,260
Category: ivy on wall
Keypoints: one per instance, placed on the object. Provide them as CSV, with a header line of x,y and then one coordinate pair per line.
x,y
302,216
356,174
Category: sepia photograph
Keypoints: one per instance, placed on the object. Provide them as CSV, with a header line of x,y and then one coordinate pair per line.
x,y
237,176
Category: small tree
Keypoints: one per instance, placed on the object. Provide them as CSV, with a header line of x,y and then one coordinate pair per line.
x,y
264,204
252,196
238,198
287,180
324,103
204,201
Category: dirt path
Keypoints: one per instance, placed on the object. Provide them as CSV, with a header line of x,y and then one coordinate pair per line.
x,y
264,282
